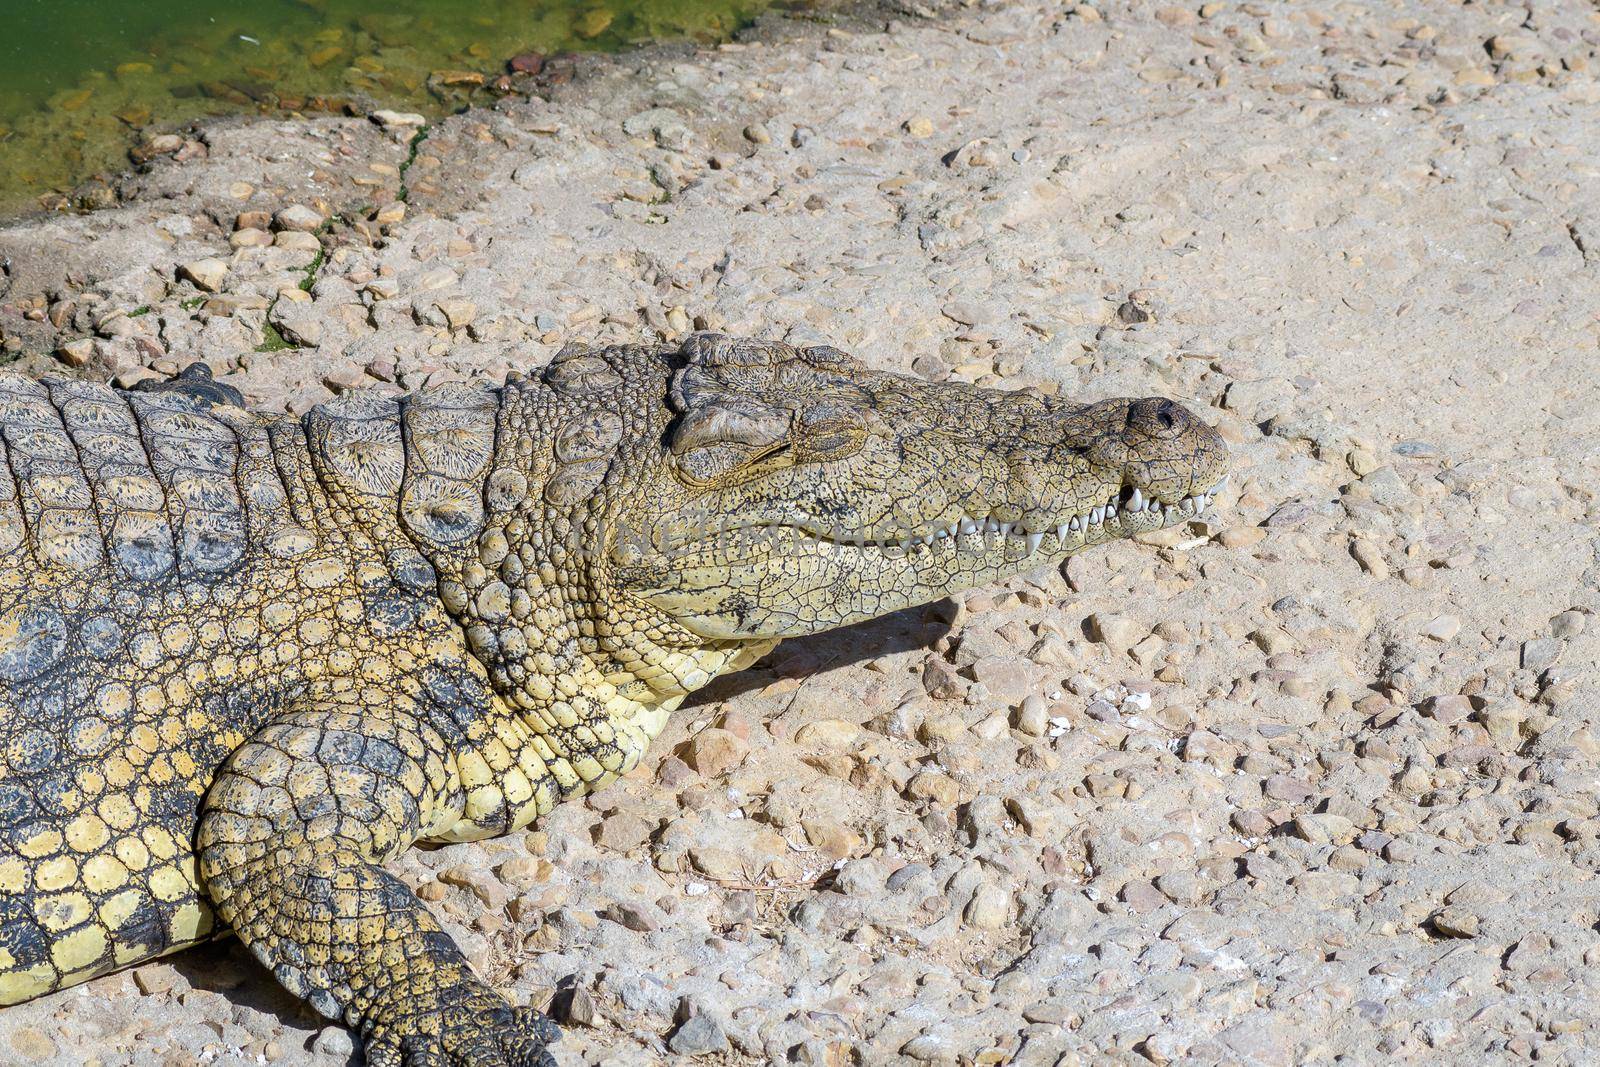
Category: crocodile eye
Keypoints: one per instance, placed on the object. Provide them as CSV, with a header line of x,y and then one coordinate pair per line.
x,y
718,437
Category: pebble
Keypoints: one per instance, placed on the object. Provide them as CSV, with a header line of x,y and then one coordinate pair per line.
x,y
207,275
1115,631
967,313
1033,716
698,1036
1442,628
335,1042
297,218
1541,652
1567,625
401,119
713,751
576,1008
989,907
1370,557
1454,921
76,353
828,733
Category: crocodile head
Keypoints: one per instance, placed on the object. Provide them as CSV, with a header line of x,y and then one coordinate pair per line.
x,y
803,491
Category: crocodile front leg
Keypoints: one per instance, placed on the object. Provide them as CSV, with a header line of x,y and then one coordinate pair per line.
x,y
291,841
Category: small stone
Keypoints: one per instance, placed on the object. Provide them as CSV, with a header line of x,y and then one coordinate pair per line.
x,y
836,840
1241,536
1142,896
576,1008
1362,462
297,218
1451,708
1033,716
967,313
940,729
343,377
1455,921
520,871
715,751
989,907
931,785
402,119
458,311
526,63
1288,789
632,917
76,353
1324,829
206,274
721,864
249,238
622,831
1541,652
698,1036
1567,625
756,133
297,241
940,680
1442,628
1115,631
1510,45
919,126
1370,558
334,1041
828,733
157,978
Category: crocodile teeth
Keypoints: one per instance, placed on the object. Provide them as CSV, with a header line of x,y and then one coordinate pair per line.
x,y
1005,529
969,526
1034,541
1097,516
1136,501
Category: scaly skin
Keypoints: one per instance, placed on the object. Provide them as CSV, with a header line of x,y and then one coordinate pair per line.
x,y
245,660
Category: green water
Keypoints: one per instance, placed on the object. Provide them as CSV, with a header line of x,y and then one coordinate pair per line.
x,y
81,81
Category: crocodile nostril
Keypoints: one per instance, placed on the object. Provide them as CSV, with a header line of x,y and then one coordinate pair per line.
x,y
1154,415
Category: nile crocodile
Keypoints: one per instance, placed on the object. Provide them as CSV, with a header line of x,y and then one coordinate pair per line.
x,y
246,659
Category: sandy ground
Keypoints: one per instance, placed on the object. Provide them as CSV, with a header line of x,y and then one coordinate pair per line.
x,y
1311,781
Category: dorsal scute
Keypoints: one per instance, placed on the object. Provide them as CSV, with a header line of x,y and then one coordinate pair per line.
x,y
450,443
194,455
357,438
